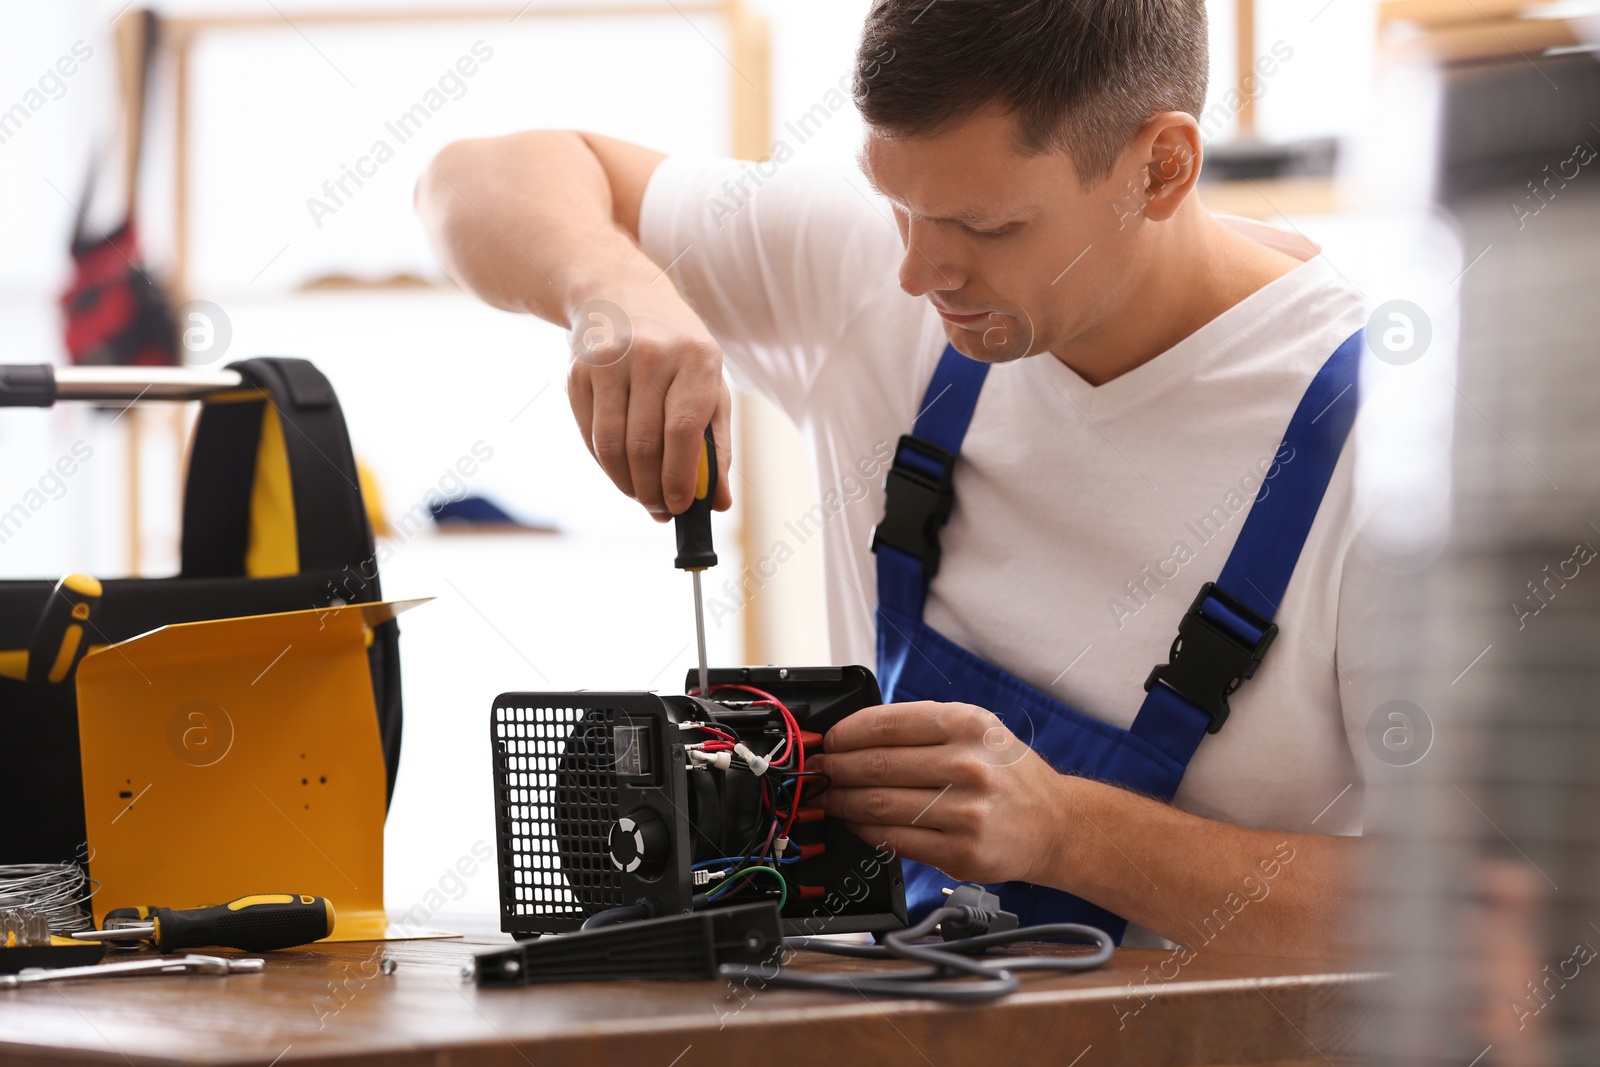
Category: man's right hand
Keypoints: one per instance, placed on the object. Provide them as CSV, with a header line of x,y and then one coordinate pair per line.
x,y
644,380
547,222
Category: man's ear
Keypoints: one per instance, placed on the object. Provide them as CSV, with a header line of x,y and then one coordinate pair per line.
x,y
1169,150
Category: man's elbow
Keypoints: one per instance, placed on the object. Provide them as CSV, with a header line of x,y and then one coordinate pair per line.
x,y
450,167
481,163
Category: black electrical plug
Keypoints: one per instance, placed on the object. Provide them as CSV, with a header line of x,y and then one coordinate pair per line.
x,y
980,913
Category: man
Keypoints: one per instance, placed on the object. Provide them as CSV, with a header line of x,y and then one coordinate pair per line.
x,y
1119,374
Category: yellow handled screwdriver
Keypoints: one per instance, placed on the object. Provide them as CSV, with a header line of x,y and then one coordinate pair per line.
x,y
257,923
695,552
59,640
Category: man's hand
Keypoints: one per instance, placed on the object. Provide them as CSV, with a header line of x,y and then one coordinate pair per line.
x,y
547,222
645,379
947,785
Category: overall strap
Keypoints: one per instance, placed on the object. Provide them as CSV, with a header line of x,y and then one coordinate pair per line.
x,y
1228,628
920,485
1257,572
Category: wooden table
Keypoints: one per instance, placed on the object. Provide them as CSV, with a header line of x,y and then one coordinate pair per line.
x,y
332,1004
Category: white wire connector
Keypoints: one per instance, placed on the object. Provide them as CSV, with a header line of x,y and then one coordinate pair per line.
x,y
758,764
719,760
781,845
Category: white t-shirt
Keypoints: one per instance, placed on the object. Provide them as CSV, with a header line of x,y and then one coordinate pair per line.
x,y
1086,517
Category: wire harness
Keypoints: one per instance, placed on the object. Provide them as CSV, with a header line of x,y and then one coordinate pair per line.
x,y
780,797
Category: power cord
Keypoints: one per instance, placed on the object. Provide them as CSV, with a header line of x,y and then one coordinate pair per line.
x,y
612,916
970,924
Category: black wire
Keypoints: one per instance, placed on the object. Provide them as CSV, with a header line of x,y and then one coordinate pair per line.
x,y
997,979
810,794
626,913
1043,932
745,858
993,982
901,943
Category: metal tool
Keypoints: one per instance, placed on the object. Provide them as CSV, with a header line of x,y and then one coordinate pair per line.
x,y
258,923
124,968
695,551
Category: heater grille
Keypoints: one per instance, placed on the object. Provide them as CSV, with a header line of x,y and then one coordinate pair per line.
x,y
555,802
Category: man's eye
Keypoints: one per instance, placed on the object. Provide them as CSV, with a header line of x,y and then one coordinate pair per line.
x,y
1001,232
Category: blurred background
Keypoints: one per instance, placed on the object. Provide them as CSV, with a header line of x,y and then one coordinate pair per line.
x,y
1439,150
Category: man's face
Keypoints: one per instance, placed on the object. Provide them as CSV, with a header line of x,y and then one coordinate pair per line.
x,y
1015,253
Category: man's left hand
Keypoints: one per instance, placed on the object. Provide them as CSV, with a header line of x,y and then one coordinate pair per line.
x,y
950,786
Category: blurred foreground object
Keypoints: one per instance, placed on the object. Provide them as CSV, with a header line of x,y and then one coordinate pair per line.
x,y
1485,896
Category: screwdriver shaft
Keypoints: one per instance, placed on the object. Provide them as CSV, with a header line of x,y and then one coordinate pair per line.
x,y
131,932
700,633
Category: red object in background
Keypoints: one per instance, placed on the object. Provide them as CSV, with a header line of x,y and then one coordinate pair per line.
x,y
115,312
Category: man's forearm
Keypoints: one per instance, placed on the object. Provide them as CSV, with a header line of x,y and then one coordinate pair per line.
x,y
525,222
1203,883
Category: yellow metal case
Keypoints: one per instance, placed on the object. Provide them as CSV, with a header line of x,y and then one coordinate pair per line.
x,y
238,756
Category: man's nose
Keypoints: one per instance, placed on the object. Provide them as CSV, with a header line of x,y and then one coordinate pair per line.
x,y
927,266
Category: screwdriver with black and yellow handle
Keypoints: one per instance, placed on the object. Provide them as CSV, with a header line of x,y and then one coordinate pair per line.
x,y
59,638
693,527
257,923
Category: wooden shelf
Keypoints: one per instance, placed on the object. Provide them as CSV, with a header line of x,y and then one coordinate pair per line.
x,y
1465,31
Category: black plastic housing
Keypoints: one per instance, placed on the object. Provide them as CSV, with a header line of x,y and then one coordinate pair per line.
x,y
677,946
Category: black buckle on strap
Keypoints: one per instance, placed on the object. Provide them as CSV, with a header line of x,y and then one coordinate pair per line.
x,y
1207,662
917,505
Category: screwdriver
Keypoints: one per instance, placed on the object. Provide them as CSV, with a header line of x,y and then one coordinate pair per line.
x,y
58,638
693,527
257,923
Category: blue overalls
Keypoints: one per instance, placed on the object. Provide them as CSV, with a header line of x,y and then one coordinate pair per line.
x,y
1220,642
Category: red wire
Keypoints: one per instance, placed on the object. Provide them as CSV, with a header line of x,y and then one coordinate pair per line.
x,y
792,731
791,727
719,733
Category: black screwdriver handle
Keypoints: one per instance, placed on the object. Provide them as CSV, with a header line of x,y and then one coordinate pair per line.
x,y
255,924
695,552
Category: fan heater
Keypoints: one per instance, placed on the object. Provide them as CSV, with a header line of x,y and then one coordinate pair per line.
x,y
644,806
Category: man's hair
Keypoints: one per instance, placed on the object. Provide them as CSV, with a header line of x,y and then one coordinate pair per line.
x,y
1080,76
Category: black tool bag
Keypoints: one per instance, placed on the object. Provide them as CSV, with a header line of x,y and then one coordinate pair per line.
x,y
273,520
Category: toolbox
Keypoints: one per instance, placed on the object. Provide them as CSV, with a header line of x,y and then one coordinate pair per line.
x,y
273,521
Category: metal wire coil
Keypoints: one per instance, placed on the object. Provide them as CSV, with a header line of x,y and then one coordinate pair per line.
x,y
58,891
